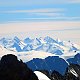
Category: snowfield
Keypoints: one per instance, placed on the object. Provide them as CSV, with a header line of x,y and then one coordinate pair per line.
x,y
27,56
41,76
28,48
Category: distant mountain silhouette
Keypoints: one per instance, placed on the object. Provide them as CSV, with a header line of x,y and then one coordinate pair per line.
x,y
54,68
75,60
49,63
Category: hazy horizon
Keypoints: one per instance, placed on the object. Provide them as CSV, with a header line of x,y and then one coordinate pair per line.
x,y
58,19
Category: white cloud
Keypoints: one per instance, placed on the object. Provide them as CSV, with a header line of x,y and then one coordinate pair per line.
x,y
35,2
36,26
43,12
63,17
55,17
73,1
50,14
46,10
65,30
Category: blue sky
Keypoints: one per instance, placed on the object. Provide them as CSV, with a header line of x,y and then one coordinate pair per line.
x,y
29,10
55,18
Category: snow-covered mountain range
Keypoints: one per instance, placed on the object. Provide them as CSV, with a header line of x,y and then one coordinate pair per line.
x,y
40,46
46,44
28,48
42,53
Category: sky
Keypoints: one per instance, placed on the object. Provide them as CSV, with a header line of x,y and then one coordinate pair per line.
x,y
55,18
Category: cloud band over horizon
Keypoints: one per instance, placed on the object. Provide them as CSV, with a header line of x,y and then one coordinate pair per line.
x,y
60,17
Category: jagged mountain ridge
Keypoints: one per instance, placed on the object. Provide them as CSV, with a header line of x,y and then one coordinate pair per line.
x,y
50,63
42,49
46,44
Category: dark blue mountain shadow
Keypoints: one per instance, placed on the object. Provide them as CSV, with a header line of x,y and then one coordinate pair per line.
x,y
18,48
27,40
16,44
49,63
75,60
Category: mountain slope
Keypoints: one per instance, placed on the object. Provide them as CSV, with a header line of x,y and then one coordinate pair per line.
x,y
46,44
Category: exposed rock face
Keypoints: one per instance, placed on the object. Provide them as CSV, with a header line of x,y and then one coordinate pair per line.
x,y
13,69
73,72
56,76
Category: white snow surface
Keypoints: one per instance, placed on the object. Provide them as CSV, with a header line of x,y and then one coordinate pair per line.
x,y
27,56
41,76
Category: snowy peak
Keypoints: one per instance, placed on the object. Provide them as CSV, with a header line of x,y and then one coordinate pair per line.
x,y
27,40
49,40
46,44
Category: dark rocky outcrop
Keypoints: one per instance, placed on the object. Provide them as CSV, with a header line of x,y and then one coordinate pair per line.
x,y
13,69
56,76
72,72
54,68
